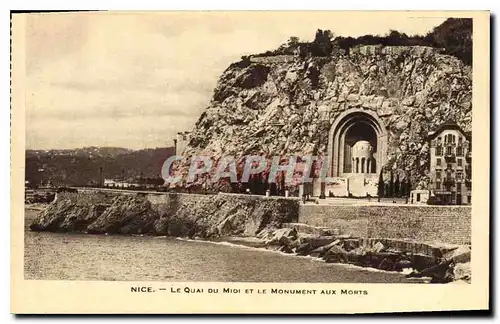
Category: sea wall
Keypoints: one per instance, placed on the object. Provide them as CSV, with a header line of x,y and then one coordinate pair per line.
x,y
206,216
447,224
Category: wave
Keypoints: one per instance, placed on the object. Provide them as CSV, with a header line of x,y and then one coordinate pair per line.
x,y
307,257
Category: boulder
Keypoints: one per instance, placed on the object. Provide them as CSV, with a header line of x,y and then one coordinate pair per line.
x,y
462,272
319,241
303,249
402,264
378,247
351,244
459,255
309,229
285,249
321,251
335,254
440,273
421,262
282,236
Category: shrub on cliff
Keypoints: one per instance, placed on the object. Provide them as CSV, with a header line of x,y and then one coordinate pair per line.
x,y
454,36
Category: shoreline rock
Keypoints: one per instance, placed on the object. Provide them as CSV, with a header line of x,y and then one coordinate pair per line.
x,y
442,263
255,222
207,216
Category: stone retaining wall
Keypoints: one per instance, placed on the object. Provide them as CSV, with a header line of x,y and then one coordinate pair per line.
x,y
272,59
446,224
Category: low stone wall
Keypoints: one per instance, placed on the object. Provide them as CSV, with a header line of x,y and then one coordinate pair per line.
x,y
272,59
416,51
446,224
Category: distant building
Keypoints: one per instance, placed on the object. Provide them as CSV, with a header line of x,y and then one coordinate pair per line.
x,y
181,141
451,165
118,183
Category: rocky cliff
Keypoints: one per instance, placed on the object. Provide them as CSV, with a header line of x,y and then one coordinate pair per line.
x,y
286,104
205,216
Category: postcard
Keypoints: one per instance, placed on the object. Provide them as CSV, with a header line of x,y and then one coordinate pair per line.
x,y
285,162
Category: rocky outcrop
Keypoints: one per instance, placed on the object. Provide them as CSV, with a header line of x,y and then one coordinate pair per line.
x,y
67,213
440,263
126,215
286,104
184,215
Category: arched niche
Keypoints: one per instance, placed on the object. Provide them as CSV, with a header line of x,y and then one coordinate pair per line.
x,y
349,127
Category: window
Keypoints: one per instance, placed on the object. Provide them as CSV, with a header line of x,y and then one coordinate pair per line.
x,y
460,151
439,140
438,174
418,197
448,166
438,185
459,175
438,161
459,162
460,139
448,150
439,150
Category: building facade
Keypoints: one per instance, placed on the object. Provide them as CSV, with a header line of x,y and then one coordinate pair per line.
x,y
181,141
451,165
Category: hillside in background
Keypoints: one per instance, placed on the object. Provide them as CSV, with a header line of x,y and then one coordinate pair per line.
x,y
79,167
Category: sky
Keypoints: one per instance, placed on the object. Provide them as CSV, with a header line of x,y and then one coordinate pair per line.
x,y
134,80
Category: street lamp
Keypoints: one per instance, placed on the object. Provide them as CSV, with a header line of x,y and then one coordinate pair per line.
x,y
41,170
324,117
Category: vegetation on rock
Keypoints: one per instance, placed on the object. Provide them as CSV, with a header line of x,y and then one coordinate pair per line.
x,y
454,36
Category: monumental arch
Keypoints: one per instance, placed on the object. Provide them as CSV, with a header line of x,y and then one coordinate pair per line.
x,y
357,144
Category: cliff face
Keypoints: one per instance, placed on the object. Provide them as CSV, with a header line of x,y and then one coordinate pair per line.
x,y
286,105
206,216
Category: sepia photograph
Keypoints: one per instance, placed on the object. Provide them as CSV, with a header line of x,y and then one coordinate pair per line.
x,y
247,147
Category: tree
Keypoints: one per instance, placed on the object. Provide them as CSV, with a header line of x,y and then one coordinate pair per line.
x,y
294,40
273,190
390,191
455,36
397,187
282,183
322,44
381,186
